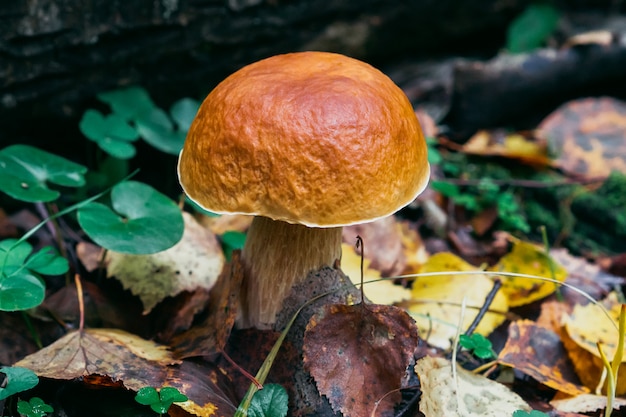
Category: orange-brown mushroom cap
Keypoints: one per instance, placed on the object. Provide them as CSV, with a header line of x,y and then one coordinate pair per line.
x,y
313,138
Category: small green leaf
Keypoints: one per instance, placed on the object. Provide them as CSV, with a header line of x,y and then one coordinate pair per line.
x,y
532,28
48,262
183,112
156,128
36,407
18,380
480,346
130,103
147,396
25,170
532,413
143,221
445,188
112,133
271,401
21,291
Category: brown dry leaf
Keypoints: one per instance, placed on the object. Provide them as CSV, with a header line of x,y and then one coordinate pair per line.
x,y
131,360
358,354
436,302
90,255
586,326
539,353
508,145
530,259
383,244
480,396
585,403
210,336
226,223
194,262
379,292
588,134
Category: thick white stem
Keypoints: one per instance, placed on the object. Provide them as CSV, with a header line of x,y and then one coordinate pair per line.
x,y
275,257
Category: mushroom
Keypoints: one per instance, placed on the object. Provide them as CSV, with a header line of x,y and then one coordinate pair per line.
x,y
306,142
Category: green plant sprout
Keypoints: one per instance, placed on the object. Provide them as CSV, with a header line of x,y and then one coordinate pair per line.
x,y
478,344
160,400
532,413
612,368
35,407
134,115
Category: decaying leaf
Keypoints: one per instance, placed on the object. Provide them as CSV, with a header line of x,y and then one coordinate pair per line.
x,y
135,362
210,335
436,303
479,396
379,292
509,145
194,262
585,403
586,326
588,134
383,244
539,353
358,354
527,258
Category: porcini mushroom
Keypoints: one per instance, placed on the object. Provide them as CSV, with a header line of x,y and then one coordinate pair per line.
x,y
306,142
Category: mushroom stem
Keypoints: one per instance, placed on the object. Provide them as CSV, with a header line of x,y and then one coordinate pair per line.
x,y
276,256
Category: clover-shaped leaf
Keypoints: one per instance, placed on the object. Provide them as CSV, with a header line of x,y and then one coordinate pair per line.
x,y
271,401
156,128
112,133
129,103
478,344
160,401
142,220
25,170
36,407
21,287
18,380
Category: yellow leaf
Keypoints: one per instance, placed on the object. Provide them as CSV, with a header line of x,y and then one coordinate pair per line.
x,y
436,304
527,258
586,326
379,292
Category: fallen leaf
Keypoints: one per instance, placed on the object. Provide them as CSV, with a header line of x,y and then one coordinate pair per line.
x,y
358,354
586,326
194,262
508,145
383,244
436,300
135,362
539,353
527,258
210,335
585,403
588,134
480,396
379,292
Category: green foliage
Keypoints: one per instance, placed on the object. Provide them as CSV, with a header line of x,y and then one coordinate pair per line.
x,y
160,401
532,413
487,194
21,286
478,344
36,407
17,380
134,115
25,172
141,221
271,401
532,28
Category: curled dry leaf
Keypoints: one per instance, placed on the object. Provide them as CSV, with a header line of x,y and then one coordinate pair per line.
x,y
135,362
358,355
585,403
479,396
539,353
194,262
508,145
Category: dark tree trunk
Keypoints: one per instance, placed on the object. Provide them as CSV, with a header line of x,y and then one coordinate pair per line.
x,y
55,55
